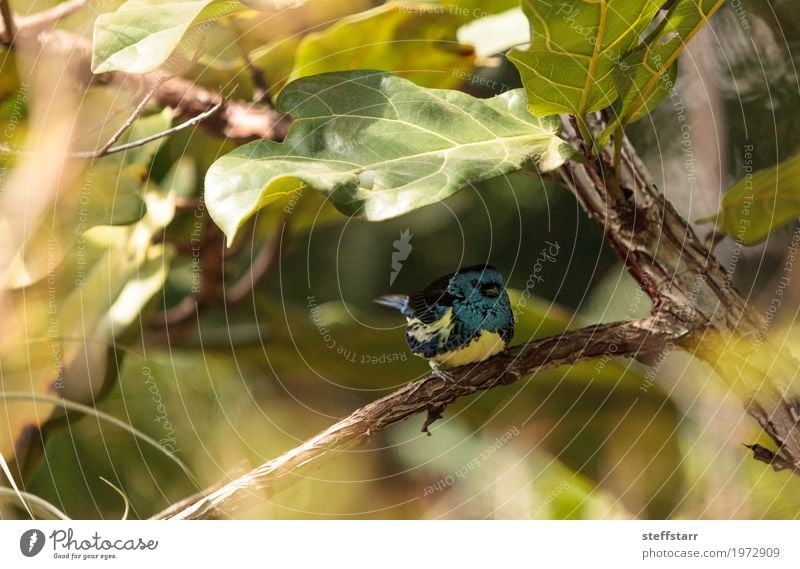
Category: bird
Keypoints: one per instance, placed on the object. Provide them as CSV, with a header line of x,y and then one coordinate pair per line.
x,y
461,318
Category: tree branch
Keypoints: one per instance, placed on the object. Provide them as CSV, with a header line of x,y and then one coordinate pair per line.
x,y
430,395
690,288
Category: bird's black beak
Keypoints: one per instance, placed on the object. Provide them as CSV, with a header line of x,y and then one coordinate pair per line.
x,y
492,290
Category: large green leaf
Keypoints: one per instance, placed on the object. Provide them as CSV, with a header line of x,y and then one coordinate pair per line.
x,y
380,146
648,73
757,204
141,34
411,39
575,48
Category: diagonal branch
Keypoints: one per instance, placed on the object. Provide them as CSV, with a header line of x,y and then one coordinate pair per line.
x,y
108,147
431,395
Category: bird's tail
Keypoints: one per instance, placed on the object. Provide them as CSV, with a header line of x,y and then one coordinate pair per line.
x,y
398,301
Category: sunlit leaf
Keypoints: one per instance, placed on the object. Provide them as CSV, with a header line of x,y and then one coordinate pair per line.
x,y
108,195
575,48
380,147
637,104
141,34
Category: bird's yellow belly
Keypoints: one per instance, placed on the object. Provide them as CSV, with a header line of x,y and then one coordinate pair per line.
x,y
481,348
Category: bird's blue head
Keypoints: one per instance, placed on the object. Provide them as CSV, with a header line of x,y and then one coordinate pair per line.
x,y
479,297
479,284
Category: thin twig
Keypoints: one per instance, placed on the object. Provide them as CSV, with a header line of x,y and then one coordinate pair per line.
x,y
10,28
238,121
260,85
142,141
137,112
262,264
140,108
103,151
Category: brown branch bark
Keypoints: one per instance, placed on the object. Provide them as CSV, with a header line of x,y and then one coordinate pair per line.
x,y
431,394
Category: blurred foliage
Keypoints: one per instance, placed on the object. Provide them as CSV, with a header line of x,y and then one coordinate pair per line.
x,y
761,202
101,306
395,37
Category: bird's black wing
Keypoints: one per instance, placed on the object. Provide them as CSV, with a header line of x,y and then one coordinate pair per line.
x,y
423,304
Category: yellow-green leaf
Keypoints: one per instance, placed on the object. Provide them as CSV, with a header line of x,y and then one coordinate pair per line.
x,y
758,204
141,34
416,41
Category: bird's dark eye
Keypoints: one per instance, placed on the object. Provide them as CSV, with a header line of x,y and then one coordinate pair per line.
x,y
474,283
491,290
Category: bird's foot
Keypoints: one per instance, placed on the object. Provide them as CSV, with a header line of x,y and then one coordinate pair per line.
x,y
445,375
